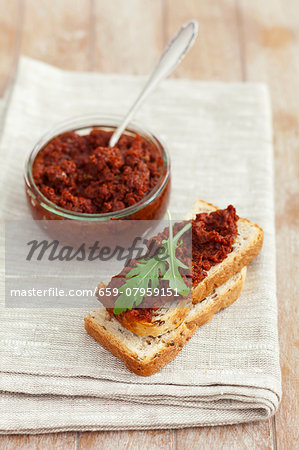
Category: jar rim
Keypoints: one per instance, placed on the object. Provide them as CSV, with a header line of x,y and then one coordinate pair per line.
x,y
86,122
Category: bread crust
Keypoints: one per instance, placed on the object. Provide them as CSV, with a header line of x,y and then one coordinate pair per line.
x,y
148,366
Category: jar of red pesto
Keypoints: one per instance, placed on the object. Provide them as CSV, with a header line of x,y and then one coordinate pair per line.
x,y
71,173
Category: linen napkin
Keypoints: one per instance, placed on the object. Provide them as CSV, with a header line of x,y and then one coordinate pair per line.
x,y
53,376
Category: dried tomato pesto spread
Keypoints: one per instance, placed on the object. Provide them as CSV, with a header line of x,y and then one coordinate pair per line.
x,y
81,173
213,235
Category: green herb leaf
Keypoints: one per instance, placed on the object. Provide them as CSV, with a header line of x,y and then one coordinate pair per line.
x,y
176,282
148,272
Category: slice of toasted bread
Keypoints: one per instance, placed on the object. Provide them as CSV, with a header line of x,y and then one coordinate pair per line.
x,y
246,247
147,355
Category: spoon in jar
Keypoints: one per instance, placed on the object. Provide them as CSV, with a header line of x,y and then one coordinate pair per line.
x,y
172,55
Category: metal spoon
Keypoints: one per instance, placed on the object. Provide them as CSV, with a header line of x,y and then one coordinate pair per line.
x,y
173,54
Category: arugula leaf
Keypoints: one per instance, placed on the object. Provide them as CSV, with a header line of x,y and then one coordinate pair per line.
x,y
148,272
176,282
139,277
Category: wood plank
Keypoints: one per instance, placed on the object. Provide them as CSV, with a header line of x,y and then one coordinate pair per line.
x,y
216,53
125,36
130,440
128,37
58,32
10,28
228,437
271,46
57,441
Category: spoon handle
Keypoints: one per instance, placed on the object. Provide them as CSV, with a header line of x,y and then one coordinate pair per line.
x,y
173,54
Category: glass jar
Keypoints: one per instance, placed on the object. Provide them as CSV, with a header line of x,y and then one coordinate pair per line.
x,y
151,207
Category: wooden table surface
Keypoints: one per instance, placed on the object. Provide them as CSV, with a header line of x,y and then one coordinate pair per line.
x,y
247,40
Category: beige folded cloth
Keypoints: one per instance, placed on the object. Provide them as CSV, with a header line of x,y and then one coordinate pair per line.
x,y
53,376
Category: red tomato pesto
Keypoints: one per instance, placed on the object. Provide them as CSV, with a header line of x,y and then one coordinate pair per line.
x,y
213,235
81,173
